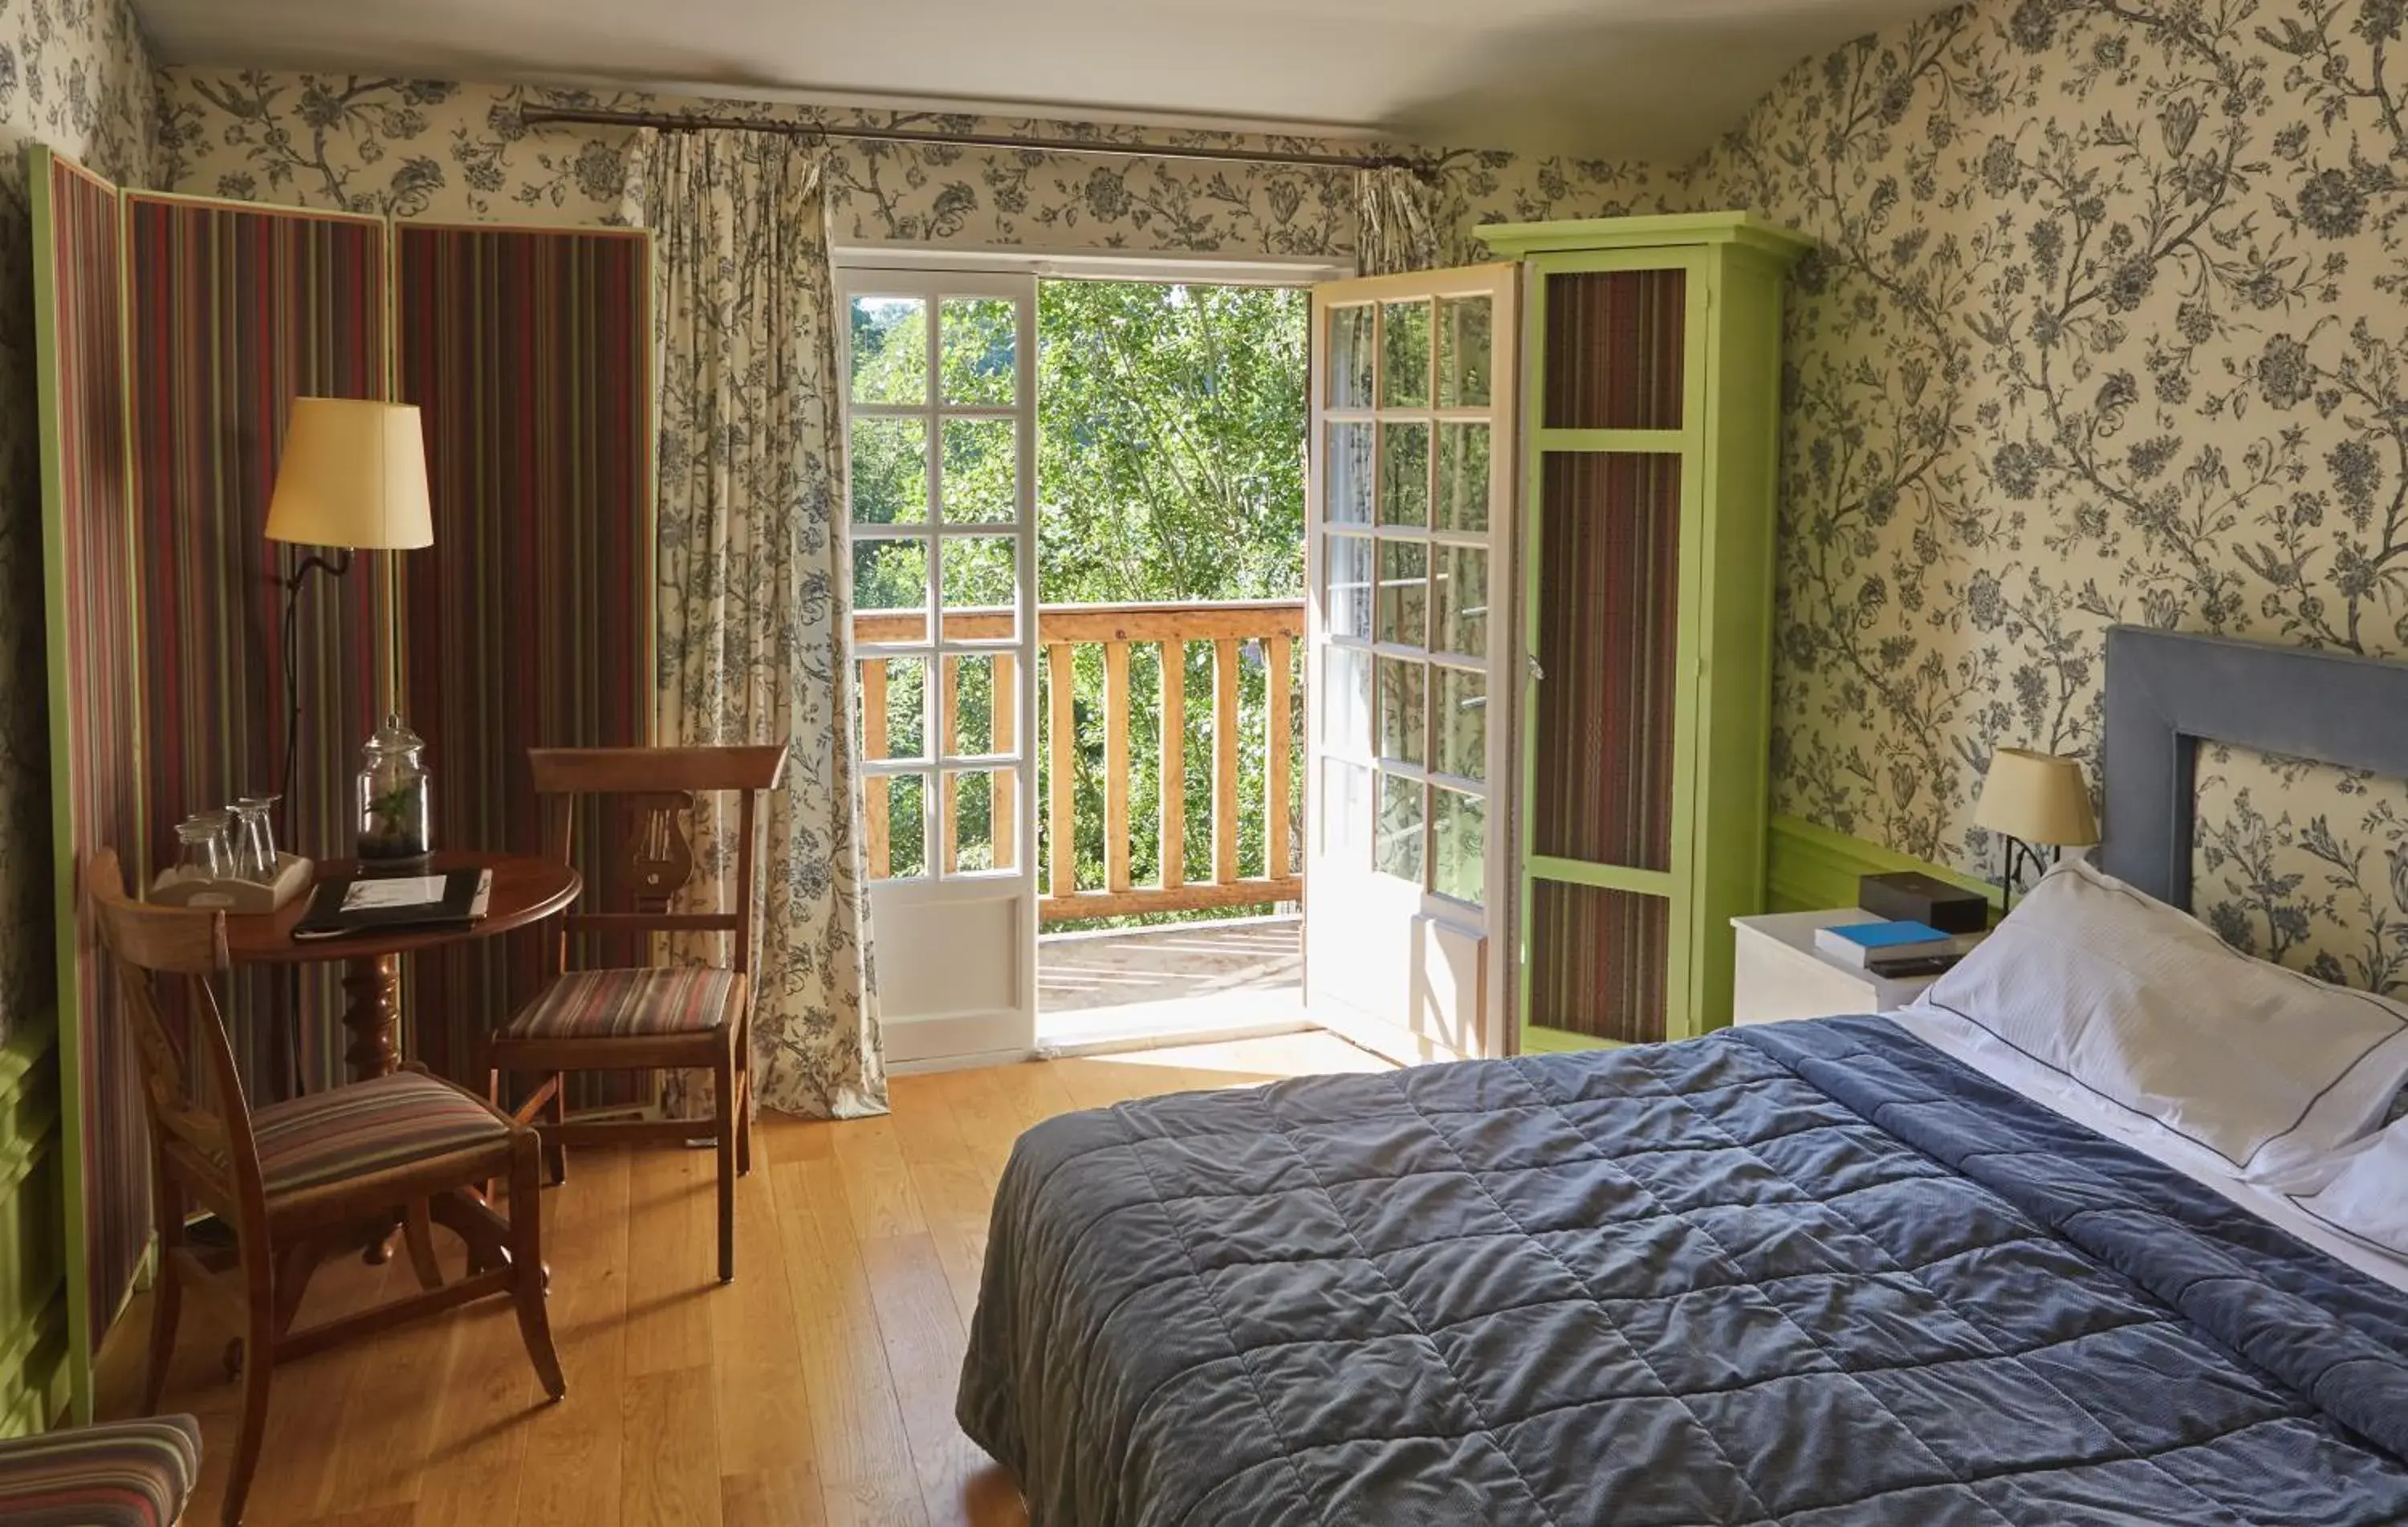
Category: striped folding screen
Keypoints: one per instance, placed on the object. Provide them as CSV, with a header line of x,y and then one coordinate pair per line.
x,y
529,622
95,794
236,309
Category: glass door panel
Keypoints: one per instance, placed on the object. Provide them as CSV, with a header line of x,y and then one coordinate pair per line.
x,y
1409,526
940,432
1616,349
1598,962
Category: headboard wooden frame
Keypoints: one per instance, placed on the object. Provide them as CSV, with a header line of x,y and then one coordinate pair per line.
x,y
2167,693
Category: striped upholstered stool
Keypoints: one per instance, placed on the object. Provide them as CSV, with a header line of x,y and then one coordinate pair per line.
x,y
129,1474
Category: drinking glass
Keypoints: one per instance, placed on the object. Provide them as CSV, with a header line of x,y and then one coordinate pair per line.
x,y
254,838
201,847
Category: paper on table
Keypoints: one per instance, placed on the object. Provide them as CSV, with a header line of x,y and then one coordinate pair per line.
x,y
405,891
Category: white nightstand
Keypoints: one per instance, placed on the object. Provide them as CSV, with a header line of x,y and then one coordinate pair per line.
x,y
1781,974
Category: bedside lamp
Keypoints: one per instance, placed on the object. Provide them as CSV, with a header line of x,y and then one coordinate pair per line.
x,y
2035,798
352,475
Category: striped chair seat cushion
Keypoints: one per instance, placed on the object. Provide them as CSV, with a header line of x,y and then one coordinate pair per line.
x,y
631,1004
129,1474
367,1126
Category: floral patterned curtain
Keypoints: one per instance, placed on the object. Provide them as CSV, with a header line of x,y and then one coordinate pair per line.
x,y
755,614
1395,221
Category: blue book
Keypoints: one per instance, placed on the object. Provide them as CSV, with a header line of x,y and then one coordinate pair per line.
x,y
1854,943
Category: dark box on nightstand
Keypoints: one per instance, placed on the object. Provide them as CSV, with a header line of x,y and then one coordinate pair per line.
x,y
1911,896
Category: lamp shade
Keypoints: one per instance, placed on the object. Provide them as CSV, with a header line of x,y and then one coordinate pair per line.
x,y
2038,797
353,473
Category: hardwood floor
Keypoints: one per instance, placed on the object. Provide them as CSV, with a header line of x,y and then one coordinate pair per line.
x,y
816,1390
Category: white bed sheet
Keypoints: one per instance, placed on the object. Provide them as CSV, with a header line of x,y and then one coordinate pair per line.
x,y
1976,1047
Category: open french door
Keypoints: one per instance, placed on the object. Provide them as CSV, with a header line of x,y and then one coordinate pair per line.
x,y
1413,667
940,394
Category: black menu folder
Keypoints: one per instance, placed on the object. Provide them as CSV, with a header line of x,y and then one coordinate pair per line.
x,y
395,903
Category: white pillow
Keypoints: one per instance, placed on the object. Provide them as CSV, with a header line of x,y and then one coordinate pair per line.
x,y
2143,1005
2369,1199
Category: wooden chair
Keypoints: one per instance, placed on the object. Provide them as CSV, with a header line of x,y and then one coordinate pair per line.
x,y
294,1181
125,1474
651,1016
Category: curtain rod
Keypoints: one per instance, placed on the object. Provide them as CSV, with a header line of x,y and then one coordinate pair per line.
x,y
537,115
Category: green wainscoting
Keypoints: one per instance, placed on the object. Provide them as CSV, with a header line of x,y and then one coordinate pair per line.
x,y
1809,868
34,1368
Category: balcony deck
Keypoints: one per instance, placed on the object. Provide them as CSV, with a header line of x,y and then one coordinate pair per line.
x,y
1236,978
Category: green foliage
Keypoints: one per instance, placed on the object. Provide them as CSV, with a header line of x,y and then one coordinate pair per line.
x,y
1171,437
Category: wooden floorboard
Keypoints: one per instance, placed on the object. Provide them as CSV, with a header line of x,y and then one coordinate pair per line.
x,y
816,1390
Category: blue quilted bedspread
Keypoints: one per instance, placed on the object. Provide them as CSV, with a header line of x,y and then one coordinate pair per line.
x,y
1810,1273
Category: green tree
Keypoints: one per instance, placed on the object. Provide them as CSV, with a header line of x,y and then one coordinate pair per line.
x,y
1170,434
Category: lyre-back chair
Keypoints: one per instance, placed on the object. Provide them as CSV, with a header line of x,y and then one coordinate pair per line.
x,y
295,1180
648,1018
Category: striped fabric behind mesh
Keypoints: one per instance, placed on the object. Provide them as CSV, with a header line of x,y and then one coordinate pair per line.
x,y
1609,616
1615,353
236,310
95,766
1599,961
529,623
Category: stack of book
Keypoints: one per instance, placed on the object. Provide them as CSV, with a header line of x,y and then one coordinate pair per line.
x,y
1893,948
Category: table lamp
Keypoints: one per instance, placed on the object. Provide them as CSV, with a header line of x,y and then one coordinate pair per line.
x,y
352,475
2035,798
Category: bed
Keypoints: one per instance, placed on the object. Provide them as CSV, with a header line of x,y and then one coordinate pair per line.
x,y
1848,1271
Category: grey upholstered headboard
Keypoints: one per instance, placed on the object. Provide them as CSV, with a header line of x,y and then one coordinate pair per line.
x,y
2167,693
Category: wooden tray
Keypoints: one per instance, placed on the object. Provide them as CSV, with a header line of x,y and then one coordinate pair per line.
x,y
293,874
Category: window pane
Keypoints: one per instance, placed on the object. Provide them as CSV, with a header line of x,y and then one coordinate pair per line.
x,y
1347,566
1462,723
1464,352
1346,698
1400,846
1404,592
1404,474
979,350
1403,708
891,703
1463,477
980,582
1351,332
890,350
1458,843
891,575
1405,355
970,683
906,826
982,470
1345,811
1350,475
889,467
1462,591
983,831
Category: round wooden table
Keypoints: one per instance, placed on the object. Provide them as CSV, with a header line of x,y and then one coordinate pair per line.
x,y
526,888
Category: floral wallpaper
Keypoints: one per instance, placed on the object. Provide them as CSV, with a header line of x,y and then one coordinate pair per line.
x,y
2108,325
73,74
426,149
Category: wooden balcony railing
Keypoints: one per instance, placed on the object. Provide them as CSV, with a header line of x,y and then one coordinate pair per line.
x,y
1276,625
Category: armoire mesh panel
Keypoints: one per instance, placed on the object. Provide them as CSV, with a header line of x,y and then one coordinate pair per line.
x,y
1599,961
1615,354
1609,615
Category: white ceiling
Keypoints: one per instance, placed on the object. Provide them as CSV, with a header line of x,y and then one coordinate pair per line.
x,y
1647,80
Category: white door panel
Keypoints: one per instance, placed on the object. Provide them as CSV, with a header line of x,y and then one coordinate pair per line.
x,y
1413,659
940,371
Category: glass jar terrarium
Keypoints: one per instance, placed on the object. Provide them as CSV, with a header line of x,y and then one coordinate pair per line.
x,y
396,809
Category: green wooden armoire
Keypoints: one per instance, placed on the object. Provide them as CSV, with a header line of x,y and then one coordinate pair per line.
x,y
1651,412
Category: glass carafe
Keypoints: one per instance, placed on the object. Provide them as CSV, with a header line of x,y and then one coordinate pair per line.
x,y
254,838
201,847
396,810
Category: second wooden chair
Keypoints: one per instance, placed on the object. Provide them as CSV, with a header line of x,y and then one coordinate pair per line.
x,y
654,1016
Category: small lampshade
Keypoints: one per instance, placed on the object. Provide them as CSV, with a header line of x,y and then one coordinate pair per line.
x,y
2038,797
353,473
